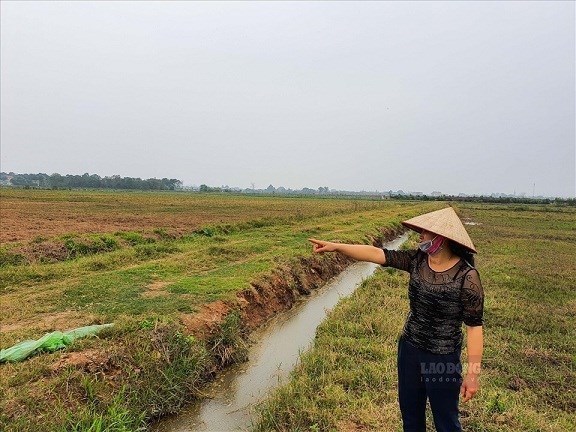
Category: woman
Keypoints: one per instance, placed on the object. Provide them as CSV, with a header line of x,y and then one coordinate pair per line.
x,y
444,292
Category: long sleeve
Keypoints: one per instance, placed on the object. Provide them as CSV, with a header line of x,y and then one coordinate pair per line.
x,y
402,260
472,297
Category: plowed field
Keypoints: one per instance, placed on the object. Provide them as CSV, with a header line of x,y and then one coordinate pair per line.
x,y
29,214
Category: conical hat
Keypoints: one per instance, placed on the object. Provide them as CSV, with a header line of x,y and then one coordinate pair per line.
x,y
444,222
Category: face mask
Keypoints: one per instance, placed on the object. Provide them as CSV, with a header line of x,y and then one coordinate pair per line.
x,y
431,246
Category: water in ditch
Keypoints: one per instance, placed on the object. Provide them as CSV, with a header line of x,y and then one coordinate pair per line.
x,y
230,401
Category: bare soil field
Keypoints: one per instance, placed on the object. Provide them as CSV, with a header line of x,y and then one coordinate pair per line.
x,y
26,215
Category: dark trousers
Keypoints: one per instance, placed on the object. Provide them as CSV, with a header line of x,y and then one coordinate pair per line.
x,y
423,375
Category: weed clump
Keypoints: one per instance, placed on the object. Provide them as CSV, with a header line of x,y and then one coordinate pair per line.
x,y
134,238
91,245
164,367
10,258
228,345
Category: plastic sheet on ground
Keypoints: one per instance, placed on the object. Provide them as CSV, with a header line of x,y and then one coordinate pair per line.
x,y
49,342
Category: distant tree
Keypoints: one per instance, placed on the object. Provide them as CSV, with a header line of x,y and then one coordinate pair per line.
x,y
56,181
175,184
21,180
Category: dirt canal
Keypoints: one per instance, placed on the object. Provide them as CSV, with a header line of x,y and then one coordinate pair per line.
x,y
230,402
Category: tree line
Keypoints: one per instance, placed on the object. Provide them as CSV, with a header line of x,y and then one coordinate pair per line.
x,y
94,181
89,181
488,199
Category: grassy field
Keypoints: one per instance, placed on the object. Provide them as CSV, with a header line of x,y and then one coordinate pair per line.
x,y
527,262
150,280
151,262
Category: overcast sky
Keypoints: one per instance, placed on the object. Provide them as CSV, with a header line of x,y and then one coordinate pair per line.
x,y
472,97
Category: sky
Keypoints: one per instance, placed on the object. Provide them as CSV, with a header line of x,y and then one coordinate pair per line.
x,y
456,97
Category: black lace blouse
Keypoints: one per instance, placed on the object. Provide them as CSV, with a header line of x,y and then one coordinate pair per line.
x,y
439,301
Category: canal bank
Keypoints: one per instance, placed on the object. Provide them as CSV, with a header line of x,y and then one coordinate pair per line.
x,y
231,401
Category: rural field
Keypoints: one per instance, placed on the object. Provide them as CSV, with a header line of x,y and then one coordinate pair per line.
x,y
527,262
181,298
185,277
33,214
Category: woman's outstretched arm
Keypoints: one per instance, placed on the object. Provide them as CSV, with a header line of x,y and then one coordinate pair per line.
x,y
355,251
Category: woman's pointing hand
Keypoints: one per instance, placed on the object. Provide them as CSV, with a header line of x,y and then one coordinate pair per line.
x,y
320,246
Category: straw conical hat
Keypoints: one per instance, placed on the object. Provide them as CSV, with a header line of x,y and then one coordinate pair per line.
x,y
444,222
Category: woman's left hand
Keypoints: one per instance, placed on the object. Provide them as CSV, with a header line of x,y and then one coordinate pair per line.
x,y
469,387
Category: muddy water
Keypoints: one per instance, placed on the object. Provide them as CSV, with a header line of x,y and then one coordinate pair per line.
x,y
230,401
